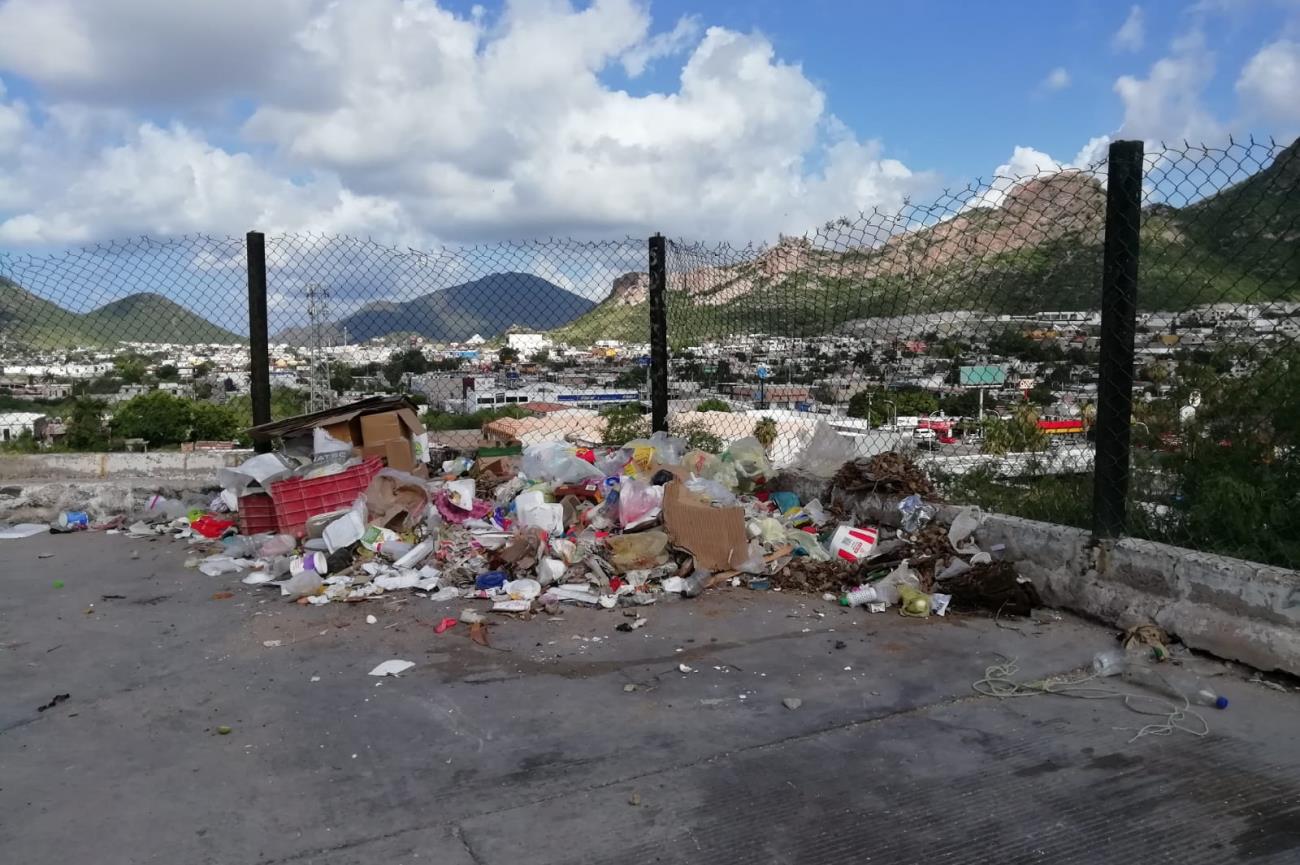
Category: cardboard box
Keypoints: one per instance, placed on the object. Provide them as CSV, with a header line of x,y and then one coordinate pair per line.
x,y
396,452
715,536
379,428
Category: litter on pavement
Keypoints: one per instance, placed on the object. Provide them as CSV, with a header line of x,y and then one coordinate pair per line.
x,y
352,506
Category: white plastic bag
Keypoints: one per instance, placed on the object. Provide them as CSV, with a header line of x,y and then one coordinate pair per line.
x,y
556,462
639,504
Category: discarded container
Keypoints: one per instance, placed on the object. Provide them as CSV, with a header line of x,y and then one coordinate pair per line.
x,y
314,563
852,543
461,493
415,555
693,586
74,521
861,596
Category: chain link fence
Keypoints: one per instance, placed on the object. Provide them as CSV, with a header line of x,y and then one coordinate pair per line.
x,y
971,332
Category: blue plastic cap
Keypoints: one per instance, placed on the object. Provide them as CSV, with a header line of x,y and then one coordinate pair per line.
x,y
1220,702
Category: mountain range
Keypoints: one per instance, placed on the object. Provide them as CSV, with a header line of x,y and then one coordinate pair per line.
x,y
1034,246
26,319
488,306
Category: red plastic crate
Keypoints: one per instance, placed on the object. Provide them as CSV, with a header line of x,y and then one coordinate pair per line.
x,y
297,500
257,514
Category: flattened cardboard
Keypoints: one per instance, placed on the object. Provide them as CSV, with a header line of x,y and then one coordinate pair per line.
x,y
715,536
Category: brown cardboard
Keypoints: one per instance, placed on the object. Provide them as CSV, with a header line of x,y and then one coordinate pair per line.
x,y
715,536
303,424
345,431
396,452
379,428
410,420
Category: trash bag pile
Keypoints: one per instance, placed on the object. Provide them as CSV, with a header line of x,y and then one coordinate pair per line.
x,y
557,524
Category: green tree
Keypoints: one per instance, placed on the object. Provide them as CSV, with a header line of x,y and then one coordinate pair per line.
x,y
105,384
625,422
341,379
1020,434
766,432
86,426
540,357
1042,394
166,372
713,404
201,370
874,404
698,437
412,361
157,417
131,367
209,422
508,355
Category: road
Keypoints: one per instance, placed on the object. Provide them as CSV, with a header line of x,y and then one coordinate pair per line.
x,y
567,741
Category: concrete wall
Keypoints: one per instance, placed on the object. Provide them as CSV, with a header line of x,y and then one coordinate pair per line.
x,y
1232,608
167,465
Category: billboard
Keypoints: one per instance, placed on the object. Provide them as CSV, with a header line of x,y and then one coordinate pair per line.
x,y
981,376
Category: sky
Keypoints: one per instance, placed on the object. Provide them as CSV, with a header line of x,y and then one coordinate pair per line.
x,y
430,122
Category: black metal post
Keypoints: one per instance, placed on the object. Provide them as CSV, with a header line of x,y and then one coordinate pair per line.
x,y
1119,286
658,334
259,354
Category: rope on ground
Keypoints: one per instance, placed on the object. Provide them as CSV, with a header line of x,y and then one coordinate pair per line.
x,y
999,682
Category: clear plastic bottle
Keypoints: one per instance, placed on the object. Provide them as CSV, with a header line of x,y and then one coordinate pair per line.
x,y
858,597
1172,682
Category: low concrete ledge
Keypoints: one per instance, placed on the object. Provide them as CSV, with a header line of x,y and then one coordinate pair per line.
x,y
165,465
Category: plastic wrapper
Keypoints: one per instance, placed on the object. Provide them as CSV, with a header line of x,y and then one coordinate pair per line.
x,y
915,514
301,585
557,463
963,526
767,529
807,543
639,503
324,445
639,551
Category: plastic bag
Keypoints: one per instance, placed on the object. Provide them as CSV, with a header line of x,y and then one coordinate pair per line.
x,y
915,514
640,551
808,543
305,583
749,459
753,563
556,463
767,529
639,503
396,497
715,491
963,526
825,452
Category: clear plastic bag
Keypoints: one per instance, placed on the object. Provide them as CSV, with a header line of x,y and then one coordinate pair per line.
x,y
557,463
715,491
749,459
640,551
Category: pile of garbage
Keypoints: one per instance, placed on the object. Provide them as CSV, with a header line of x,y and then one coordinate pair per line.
x,y
351,507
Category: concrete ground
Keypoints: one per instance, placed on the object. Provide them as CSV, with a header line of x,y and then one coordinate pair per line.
x,y
535,750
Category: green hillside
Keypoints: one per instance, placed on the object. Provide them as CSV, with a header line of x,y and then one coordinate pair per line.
x,y
28,320
1041,250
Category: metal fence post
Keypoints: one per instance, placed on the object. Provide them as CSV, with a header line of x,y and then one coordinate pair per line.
x,y
1119,285
259,368
658,334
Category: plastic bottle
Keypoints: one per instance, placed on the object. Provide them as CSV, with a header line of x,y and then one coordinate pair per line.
x,y
859,597
1174,683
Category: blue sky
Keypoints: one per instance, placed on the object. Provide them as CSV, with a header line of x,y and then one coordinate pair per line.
x,y
427,122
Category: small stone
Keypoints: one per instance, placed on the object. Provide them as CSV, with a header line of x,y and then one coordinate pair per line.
x,y
792,703
840,644
634,799
629,688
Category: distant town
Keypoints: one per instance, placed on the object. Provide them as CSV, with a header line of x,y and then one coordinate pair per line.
x,y
921,378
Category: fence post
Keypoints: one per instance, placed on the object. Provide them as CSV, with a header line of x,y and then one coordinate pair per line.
x,y
658,334
1119,285
259,377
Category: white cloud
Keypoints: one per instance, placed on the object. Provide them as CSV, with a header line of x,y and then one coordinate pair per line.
x,y
406,121
1167,104
1269,85
675,41
1057,79
1132,33
146,51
